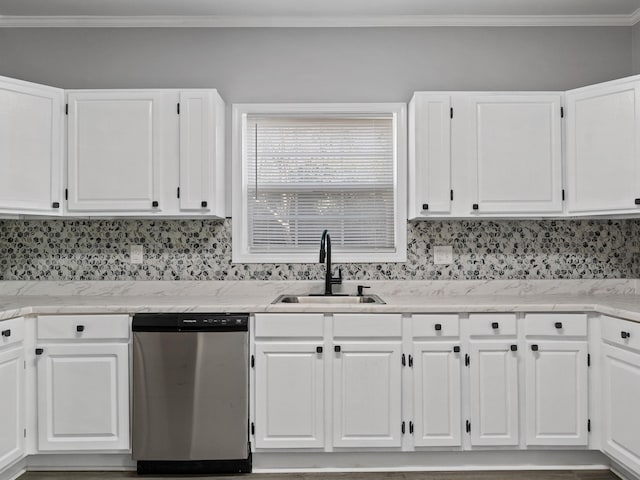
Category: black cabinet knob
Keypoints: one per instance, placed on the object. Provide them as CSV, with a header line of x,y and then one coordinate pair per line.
x,y
456,349
39,351
476,206
514,348
438,327
625,335
6,333
534,348
337,349
495,325
637,201
55,205
558,325
425,206
318,349
154,204
203,204
79,328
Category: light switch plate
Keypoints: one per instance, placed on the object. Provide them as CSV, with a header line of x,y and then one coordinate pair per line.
x,y
443,255
136,255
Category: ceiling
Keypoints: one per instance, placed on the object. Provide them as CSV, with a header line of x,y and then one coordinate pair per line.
x,y
309,12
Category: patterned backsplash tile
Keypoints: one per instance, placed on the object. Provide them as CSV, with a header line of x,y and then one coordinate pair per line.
x,y
201,250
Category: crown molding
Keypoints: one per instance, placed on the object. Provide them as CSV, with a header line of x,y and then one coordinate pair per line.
x,y
217,21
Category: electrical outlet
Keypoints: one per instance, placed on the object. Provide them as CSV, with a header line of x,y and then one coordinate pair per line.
x,y
136,255
443,255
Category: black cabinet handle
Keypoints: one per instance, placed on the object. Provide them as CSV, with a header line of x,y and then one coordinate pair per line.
x,y
6,333
403,360
637,201
558,325
456,349
318,349
625,335
203,204
495,325
411,427
39,351
534,348
337,349
476,206
425,206
55,205
438,327
79,328
154,204
514,348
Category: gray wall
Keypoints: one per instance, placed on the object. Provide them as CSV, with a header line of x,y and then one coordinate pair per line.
x,y
318,64
635,48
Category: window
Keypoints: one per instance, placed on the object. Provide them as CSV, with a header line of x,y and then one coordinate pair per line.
x,y
302,168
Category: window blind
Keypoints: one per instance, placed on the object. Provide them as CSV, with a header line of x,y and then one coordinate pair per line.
x,y
310,173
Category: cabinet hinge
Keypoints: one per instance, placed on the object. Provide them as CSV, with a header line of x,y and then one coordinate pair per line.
x,y
402,427
589,425
178,108
403,360
468,427
66,194
411,361
66,109
467,359
451,112
253,428
253,361
178,192
561,112
563,194
451,195
588,359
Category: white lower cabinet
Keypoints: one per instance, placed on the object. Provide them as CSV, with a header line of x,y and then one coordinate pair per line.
x,y
83,383
289,395
12,392
367,399
494,393
556,393
436,394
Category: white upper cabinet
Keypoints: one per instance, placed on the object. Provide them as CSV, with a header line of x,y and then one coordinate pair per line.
x,y
514,145
202,173
429,155
31,140
603,130
115,151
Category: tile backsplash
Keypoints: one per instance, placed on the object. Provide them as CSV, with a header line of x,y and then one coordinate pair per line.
x,y
201,250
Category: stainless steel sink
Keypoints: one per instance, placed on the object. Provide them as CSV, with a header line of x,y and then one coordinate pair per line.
x,y
328,299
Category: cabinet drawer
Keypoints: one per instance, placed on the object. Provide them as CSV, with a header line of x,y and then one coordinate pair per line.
x,y
435,326
367,325
290,325
557,325
492,324
621,332
66,327
12,331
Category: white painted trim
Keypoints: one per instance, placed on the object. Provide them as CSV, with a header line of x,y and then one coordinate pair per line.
x,y
290,21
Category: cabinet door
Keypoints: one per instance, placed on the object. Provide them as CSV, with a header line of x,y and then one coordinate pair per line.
x,y
556,393
83,397
436,394
429,154
494,393
517,153
11,405
289,395
202,152
366,394
603,129
621,391
30,147
114,151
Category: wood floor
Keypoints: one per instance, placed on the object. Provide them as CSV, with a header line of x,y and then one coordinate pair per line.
x,y
511,475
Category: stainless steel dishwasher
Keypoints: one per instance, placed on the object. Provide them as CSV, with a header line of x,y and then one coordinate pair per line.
x,y
191,393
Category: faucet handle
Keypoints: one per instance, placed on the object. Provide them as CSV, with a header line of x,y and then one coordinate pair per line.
x,y
337,280
361,289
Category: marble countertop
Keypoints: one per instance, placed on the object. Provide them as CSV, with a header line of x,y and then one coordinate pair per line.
x,y
616,298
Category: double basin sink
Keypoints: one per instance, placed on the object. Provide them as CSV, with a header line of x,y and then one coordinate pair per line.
x,y
328,299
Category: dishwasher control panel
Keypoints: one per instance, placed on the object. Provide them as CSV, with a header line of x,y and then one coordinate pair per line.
x,y
185,322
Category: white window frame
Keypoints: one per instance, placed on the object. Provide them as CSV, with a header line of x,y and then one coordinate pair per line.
x,y
240,238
